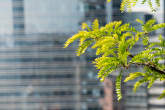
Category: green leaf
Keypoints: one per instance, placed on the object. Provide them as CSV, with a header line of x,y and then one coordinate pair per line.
x,y
95,24
151,81
85,26
157,2
134,75
82,48
139,21
158,26
162,95
145,40
118,87
144,1
109,0
139,83
72,39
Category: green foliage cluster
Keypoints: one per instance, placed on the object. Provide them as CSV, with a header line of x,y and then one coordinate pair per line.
x,y
113,44
127,4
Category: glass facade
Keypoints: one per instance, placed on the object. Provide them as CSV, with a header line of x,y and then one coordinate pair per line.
x,y
37,75
52,16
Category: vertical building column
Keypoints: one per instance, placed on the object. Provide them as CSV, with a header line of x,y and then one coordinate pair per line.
x,y
95,9
107,101
116,13
77,87
18,17
109,12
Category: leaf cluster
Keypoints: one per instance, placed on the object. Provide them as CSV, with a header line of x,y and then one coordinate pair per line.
x,y
128,4
113,44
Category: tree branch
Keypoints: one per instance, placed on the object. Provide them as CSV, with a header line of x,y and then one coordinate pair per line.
x,y
152,67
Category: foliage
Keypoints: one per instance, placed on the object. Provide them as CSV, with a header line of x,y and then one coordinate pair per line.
x,y
118,86
127,4
113,44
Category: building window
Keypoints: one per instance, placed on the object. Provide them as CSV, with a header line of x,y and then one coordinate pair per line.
x,y
18,26
18,9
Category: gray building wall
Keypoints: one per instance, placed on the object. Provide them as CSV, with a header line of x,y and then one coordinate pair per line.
x,y
6,17
53,16
36,72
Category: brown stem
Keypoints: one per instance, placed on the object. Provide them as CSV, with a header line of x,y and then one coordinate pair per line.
x,y
152,67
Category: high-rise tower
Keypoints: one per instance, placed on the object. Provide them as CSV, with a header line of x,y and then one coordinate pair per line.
x,y
18,17
36,72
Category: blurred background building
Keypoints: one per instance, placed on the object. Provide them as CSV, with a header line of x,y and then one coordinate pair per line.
x,y
37,73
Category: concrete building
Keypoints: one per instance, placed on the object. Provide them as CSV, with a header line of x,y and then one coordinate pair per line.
x,y
36,72
143,99
153,102
138,100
